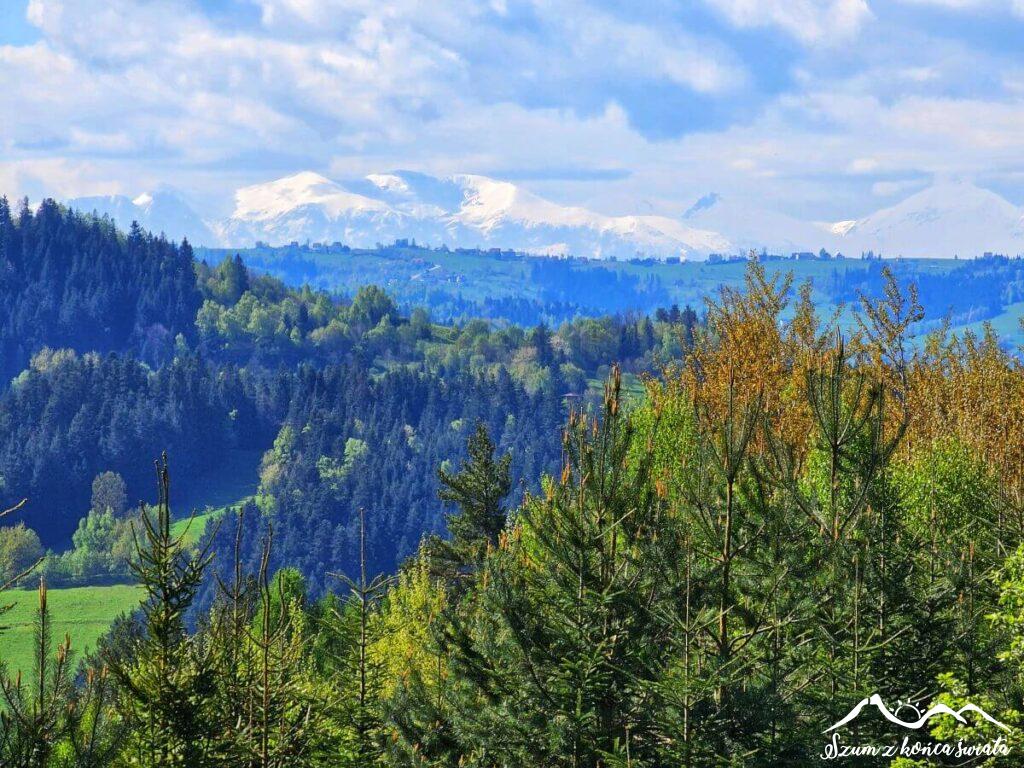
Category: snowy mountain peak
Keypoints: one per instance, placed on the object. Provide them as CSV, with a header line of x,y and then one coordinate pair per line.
x,y
463,210
162,210
946,219
467,210
841,228
749,226
263,202
391,183
488,204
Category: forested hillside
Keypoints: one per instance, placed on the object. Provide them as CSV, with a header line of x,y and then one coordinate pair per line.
x,y
72,281
526,289
789,520
125,346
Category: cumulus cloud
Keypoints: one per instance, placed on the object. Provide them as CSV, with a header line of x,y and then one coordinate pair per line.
x,y
120,95
810,21
1016,6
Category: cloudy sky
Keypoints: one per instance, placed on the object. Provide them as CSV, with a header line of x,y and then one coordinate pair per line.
x,y
824,109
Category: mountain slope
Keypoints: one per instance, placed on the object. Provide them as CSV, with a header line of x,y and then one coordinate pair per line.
x,y
308,206
945,220
469,211
504,214
458,211
752,227
163,210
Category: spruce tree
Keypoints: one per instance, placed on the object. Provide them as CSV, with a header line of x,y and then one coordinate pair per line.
x,y
555,653
34,718
478,490
358,675
165,682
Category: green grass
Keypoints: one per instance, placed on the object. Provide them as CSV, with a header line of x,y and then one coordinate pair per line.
x,y
83,612
87,612
1006,324
233,483
193,529
633,390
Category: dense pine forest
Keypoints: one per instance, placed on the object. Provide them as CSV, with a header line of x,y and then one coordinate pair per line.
x,y
354,403
464,552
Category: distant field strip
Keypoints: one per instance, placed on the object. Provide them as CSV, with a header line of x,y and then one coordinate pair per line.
x,y
85,613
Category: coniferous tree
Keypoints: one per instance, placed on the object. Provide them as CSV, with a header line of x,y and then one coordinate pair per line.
x,y
166,684
554,656
34,715
288,727
478,490
358,674
95,736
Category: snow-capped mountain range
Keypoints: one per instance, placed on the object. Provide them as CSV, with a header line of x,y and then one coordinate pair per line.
x,y
947,219
464,210
461,210
163,210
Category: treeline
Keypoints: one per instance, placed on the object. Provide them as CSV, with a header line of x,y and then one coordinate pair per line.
x,y
68,280
975,290
590,287
790,521
256,320
560,289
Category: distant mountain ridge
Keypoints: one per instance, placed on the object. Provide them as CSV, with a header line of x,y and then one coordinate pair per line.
x,y
461,210
163,210
466,210
956,218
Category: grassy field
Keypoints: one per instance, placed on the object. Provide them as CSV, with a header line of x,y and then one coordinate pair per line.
x,y
87,612
232,484
83,612
194,528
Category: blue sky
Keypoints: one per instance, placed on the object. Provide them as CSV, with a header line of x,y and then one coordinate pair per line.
x,y
824,109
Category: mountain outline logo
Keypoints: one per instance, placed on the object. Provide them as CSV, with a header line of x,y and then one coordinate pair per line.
x,y
939,709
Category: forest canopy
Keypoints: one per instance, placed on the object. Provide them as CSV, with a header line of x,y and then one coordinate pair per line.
x,y
463,552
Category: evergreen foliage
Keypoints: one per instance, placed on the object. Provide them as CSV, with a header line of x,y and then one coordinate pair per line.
x,y
788,519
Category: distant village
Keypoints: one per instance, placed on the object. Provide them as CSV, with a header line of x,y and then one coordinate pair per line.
x,y
410,244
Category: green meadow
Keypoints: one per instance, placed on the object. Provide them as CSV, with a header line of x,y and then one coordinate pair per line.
x,y
84,613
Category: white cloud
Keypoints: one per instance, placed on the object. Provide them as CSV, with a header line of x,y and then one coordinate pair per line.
x,y
122,95
1014,6
862,165
810,21
56,176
